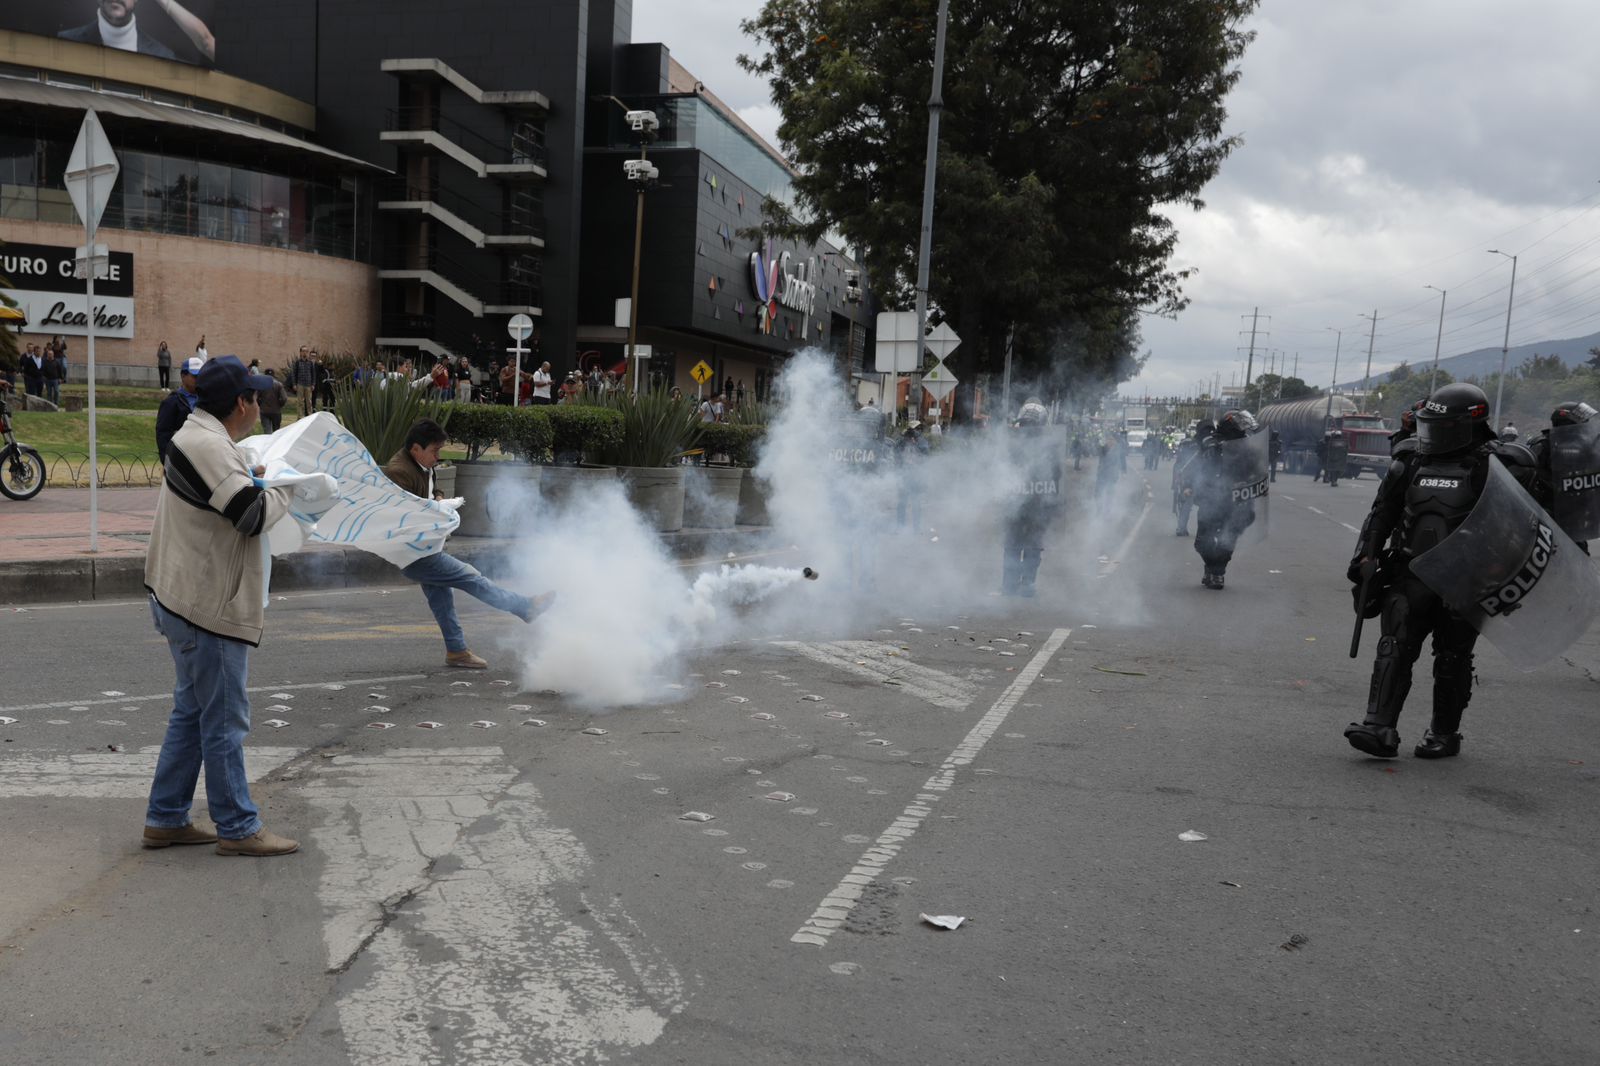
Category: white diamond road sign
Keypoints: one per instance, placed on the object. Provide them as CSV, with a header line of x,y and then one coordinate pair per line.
x,y
91,171
942,340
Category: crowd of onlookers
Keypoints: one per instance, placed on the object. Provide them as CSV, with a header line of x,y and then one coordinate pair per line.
x,y
43,369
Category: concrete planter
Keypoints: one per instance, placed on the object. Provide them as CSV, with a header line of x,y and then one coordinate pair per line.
x,y
444,480
657,493
711,496
498,498
558,483
753,494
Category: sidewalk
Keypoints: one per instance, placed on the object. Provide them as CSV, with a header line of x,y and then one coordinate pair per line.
x,y
45,557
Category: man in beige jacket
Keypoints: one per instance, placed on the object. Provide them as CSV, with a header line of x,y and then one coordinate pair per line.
x,y
204,573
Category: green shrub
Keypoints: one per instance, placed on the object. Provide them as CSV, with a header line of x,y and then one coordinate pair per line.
x,y
582,431
478,426
740,443
379,413
656,430
527,433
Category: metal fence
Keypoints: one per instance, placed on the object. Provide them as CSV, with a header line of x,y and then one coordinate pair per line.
x,y
71,470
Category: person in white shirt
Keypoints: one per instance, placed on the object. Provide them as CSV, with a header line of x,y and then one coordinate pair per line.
x,y
541,385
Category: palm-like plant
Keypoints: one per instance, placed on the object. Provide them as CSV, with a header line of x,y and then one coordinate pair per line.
x,y
656,429
379,412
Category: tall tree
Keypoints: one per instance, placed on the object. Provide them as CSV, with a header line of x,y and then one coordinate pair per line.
x,y
1068,126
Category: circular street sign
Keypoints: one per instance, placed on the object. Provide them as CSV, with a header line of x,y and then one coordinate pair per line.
x,y
520,327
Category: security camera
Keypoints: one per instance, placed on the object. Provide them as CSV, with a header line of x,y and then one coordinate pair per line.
x,y
643,122
640,171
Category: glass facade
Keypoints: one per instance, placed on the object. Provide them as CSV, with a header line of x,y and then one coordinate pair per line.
x,y
175,192
688,121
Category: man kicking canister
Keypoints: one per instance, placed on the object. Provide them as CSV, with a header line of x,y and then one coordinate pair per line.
x,y
438,574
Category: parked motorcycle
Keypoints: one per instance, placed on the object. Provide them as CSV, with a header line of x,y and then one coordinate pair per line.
x,y
22,470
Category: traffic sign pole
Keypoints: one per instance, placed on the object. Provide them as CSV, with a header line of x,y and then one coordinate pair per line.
x,y
89,185
520,327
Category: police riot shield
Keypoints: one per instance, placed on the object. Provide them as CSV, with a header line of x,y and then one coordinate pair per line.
x,y
1575,478
1245,471
1512,572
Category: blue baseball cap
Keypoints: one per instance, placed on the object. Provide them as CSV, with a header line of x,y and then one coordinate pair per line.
x,y
224,378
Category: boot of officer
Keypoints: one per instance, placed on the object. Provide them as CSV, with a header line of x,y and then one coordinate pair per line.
x,y
1424,496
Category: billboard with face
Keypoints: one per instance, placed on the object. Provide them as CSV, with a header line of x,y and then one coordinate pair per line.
x,y
167,29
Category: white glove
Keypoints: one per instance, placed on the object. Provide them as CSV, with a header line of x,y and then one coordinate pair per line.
x,y
453,504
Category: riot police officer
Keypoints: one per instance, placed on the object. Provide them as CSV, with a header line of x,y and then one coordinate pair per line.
x,y
1335,456
1424,496
1188,448
1547,482
1213,479
1036,495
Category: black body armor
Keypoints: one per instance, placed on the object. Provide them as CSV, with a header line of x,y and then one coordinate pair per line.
x,y
1438,498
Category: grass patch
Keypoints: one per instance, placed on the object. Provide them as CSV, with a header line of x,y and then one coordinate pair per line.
x,y
127,443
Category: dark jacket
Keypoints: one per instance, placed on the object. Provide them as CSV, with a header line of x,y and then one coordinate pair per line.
x,y
174,412
90,34
404,471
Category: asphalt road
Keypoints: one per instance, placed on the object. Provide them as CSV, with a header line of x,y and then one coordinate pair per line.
x,y
533,892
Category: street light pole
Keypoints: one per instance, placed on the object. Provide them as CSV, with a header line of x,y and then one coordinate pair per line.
x,y
1433,378
633,299
1505,345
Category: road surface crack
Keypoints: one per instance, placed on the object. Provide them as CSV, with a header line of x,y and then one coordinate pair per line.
x,y
389,910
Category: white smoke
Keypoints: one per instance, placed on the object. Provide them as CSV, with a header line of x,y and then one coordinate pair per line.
x,y
888,540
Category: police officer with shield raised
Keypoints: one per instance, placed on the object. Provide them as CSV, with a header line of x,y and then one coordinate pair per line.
x,y
1226,479
1567,461
1427,493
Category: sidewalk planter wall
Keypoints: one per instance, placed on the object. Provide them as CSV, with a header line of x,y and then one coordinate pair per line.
x,y
753,495
656,492
560,483
711,496
498,498
444,480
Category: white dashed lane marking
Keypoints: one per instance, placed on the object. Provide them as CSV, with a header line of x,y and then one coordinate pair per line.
x,y
835,908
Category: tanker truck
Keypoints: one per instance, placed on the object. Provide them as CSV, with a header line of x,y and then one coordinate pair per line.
x,y
1300,424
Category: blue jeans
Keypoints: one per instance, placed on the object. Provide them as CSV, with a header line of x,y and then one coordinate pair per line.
x,y
440,573
210,719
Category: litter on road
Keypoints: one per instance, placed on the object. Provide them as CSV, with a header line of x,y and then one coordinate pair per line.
x,y
944,921
1190,836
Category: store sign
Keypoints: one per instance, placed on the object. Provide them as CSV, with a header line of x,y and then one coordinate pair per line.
x,y
774,283
41,281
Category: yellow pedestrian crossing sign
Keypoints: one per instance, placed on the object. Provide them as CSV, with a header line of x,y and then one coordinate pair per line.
x,y
701,372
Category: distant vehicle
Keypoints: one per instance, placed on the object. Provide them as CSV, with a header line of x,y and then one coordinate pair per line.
x,y
1301,424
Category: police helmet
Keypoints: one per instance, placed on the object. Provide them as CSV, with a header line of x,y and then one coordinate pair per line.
x,y
1033,413
1571,414
1454,418
1336,434
1236,424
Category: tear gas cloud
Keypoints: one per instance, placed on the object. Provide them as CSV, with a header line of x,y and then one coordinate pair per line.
x,y
887,539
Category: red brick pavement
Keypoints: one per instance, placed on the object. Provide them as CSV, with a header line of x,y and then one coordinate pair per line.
x,y
55,523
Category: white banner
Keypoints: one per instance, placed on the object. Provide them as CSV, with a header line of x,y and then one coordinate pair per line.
x,y
64,313
371,512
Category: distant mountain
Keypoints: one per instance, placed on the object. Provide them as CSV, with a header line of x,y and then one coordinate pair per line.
x,y
1486,361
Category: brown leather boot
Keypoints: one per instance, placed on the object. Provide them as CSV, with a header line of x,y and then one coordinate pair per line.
x,y
465,660
159,837
260,843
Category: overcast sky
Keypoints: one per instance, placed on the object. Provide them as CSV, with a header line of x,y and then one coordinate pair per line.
x,y
1387,147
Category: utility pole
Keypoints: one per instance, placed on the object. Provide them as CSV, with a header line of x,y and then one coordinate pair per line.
x,y
1338,342
925,248
1433,378
1366,381
1251,361
1505,345
1297,366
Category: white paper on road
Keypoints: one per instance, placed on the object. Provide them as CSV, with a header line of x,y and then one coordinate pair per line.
x,y
369,512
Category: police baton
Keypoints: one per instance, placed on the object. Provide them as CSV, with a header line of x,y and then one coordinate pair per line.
x,y
1369,570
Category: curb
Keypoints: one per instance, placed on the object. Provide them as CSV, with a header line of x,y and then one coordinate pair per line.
x,y
85,578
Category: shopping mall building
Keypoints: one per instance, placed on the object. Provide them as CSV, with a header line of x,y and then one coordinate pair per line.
x,y
401,176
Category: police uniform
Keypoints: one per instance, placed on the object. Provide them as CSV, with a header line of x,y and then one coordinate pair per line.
x,y
1428,491
1210,479
1036,498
